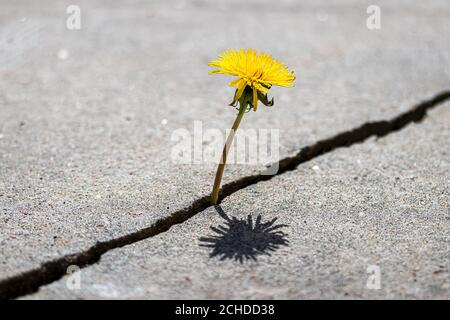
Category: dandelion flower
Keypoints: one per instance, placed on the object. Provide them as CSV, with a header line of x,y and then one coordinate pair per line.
x,y
256,74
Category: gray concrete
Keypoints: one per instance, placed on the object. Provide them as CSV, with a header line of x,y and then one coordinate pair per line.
x,y
85,147
384,203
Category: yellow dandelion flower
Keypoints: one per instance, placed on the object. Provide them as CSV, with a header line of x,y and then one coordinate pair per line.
x,y
256,72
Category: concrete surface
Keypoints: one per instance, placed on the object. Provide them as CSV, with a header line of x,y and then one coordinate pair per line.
x,y
86,116
382,204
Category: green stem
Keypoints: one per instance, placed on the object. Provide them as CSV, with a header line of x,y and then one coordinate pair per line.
x,y
226,148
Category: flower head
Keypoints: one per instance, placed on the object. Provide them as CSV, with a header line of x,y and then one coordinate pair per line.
x,y
255,71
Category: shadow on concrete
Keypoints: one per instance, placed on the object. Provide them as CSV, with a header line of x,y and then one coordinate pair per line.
x,y
241,239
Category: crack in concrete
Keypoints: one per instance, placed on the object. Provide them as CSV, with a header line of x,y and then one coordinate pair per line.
x,y
30,281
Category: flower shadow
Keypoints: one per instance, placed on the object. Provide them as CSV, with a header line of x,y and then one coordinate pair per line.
x,y
241,239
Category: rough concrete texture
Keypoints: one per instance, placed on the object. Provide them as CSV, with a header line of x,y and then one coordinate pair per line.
x,y
86,116
381,205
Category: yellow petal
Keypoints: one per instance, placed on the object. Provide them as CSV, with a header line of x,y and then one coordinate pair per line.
x,y
241,86
234,82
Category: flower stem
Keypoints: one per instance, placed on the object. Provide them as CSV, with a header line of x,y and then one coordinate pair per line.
x,y
226,148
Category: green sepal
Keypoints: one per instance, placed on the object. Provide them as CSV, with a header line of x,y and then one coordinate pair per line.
x,y
265,100
247,98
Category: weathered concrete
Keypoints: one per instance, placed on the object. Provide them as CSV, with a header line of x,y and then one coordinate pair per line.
x,y
86,116
382,204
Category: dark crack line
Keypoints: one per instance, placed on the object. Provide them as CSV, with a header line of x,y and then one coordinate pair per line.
x,y
30,281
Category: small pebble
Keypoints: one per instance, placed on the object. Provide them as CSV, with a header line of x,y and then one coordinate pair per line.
x,y
62,54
